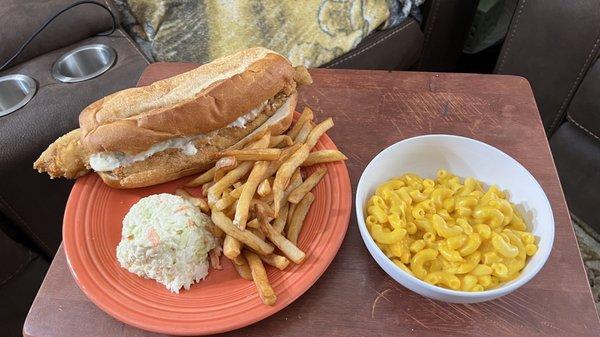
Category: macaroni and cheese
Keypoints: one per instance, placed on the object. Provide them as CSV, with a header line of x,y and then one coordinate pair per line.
x,y
449,233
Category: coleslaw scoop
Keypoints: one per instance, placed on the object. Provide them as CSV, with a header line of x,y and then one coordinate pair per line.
x,y
167,239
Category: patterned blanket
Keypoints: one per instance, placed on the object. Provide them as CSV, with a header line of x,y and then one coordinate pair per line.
x,y
309,32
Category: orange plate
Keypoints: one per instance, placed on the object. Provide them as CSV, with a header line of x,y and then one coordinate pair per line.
x,y
223,301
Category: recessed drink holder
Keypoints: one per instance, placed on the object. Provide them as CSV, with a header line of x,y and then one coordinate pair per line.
x,y
15,91
84,63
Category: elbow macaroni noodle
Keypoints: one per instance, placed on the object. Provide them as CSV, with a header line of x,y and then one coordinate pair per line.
x,y
452,235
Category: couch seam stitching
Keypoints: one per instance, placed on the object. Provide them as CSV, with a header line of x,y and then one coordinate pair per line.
x,y
429,30
583,128
433,21
371,45
510,37
12,210
559,113
110,8
133,45
118,28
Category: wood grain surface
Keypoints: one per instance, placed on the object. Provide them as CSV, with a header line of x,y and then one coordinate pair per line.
x,y
373,109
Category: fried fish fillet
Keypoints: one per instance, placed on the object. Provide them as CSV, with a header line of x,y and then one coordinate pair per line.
x,y
66,157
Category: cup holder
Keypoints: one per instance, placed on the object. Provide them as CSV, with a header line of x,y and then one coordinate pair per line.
x,y
15,92
84,63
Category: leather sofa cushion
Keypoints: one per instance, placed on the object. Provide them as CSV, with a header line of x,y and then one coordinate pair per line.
x,y
584,110
445,26
552,45
17,295
13,257
19,19
397,48
577,157
31,200
21,273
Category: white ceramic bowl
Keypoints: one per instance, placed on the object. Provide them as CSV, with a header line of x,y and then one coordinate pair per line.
x,y
464,157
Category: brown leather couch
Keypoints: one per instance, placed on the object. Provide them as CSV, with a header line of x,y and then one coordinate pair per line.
x,y
31,205
555,45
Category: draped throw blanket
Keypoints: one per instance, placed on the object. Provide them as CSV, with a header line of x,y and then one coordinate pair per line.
x,y
308,32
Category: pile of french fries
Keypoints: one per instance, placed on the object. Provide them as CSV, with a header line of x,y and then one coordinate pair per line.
x,y
258,200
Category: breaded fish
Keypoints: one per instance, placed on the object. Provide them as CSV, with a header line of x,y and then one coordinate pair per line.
x,y
66,157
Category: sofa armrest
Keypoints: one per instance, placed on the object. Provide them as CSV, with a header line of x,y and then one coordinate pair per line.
x,y
552,43
24,17
34,203
584,110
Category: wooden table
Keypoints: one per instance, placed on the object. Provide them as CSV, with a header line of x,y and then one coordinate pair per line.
x,y
373,109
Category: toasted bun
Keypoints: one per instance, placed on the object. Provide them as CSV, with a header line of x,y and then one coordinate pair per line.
x,y
199,101
173,164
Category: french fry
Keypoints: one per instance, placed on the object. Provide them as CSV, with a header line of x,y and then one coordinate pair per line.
x,y
253,223
285,155
214,256
226,200
243,205
296,178
241,266
252,154
277,261
216,231
230,211
267,166
299,192
317,132
268,209
280,220
267,199
289,216
239,260
287,248
205,188
198,202
303,134
244,236
261,143
307,115
295,181
257,232
284,174
184,194
323,156
215,191
264,188
223,166
259,275
297,220
202,179
237,192
277,141
231,247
